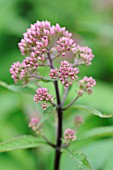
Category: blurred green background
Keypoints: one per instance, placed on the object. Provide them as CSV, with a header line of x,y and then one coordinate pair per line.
x,y
91,22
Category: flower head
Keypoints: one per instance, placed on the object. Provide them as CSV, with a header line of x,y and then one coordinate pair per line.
x,y
69,135
66,73
85,54
41,44
16,70
33,124
30,63
65,44
44,106
86,84
54,73
37,42
34,121
38,37
79,120
43,96
20,70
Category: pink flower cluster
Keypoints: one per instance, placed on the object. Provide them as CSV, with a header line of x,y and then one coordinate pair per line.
x,y
66,73
85,55
65,44
43,96
20,70
34,124
79,120
69,135
15,70
38,37
54,73
86,84
30,62
36,43
44,106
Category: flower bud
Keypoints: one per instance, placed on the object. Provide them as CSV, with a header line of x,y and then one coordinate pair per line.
x,y
69,135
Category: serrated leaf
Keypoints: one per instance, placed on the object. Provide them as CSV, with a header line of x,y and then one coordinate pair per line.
x,y
17,88
105,131
91,110
80,159
22,142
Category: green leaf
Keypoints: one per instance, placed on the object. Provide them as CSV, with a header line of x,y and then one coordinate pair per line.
x,y
105,131
100,152
22,142
80,159
47,113
17,88
91,110
45,120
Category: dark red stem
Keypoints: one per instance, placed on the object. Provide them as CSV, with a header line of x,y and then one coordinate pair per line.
x,y
60,119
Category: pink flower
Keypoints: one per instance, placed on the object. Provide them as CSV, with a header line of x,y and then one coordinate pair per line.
x,y
69,135
34,121
65,44
85,55
38,37
38,44
44,106
43,96
34,124
79,120
30,63
15,71
54,73
67,74
21,70
86,84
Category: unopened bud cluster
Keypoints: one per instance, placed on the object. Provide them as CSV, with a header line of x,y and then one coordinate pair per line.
x,y
65,44
41,44
34,124
69,135
67,74
84,54
21,70
38,37
42,95
86,85
78,120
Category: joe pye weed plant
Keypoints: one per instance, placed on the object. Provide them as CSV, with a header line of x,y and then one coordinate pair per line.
x,y
45,46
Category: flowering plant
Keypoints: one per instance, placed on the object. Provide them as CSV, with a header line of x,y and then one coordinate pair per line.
x,y
42,45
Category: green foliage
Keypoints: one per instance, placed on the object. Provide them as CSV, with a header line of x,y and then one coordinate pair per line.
x,y
91,110
22,142
80,159
99,132
100,153
17,88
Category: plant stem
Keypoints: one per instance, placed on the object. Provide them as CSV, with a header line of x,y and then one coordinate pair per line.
x,y
40,77
49,143
70,104
65,95
59,135
60,119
